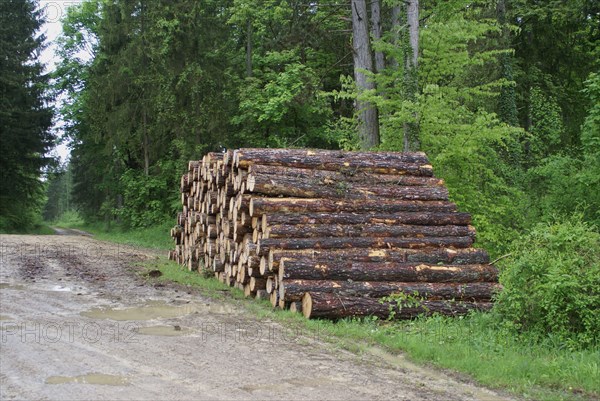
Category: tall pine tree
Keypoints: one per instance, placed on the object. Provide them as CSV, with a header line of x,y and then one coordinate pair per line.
x,y
25,114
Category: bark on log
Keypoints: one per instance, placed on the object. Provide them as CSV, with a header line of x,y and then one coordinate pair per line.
x,y
274,298
359,230
293,290
413,218
382,163
270,284
257,284
326,177
259,206
331,306
265,245
302,188
385,271
217,265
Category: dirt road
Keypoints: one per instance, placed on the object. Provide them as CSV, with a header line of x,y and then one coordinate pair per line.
x,y
78,322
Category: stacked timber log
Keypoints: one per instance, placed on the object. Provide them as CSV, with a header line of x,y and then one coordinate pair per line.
x,y
332,233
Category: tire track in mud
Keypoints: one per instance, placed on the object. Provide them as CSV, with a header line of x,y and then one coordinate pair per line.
x,y
188,346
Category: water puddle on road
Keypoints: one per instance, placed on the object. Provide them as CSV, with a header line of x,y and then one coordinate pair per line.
x,y
9,286
34,287
60,288
92,378
156,310
166,331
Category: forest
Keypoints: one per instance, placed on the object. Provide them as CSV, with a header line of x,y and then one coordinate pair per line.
x,y
502,95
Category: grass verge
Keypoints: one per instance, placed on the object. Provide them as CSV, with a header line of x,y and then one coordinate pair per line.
x,y
473,345
152,237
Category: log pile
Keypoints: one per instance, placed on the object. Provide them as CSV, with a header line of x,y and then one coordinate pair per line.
x,y
332,233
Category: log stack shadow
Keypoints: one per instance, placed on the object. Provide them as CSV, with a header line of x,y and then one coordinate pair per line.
x,y
332,233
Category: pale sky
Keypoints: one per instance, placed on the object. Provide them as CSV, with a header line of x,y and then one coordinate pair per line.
x,y
53,11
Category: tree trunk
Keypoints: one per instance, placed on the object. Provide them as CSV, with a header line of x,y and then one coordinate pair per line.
x,y
376,32
411,134
367,112
385,271
249,48
260,206
293,290
507,102
146,144
331,306
413,31
396,10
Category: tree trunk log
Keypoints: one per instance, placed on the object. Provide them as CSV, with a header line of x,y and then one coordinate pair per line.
x,y
331,306
264,245
412,218
293,290
327,177
259,206
336,160
385,271
444,256
302,188
359,230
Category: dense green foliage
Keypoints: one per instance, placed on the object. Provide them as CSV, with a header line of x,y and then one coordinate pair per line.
x,y
551,285
25,116
505,101
166,83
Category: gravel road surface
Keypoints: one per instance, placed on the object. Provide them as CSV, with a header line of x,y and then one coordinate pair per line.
x,y
79,322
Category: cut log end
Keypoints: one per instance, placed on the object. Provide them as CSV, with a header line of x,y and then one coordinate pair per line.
x,y
307,305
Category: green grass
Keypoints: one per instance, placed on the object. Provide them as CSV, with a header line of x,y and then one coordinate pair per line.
x,y
474,345
152,237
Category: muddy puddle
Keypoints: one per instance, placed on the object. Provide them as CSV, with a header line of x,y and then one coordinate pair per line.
x,y
156,310
92,378
21,287
60,288
166,331
9,286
